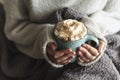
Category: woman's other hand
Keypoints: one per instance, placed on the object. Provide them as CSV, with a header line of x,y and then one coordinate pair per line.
x,y
87,53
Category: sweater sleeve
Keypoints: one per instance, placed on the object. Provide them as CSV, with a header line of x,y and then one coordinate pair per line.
x,y
103,22
29,37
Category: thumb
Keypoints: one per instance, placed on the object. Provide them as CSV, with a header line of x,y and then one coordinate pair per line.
x,y
52,46
101,46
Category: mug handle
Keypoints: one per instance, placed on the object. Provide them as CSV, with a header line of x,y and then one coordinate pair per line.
x,y
92,40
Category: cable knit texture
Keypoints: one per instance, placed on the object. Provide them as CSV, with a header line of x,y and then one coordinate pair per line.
x,y
26,21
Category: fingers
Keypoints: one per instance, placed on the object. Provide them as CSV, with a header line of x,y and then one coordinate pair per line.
x,y
61,56
91,49
64,59
64,56
63,52
52,46
82,58
87,53
101,46
85,48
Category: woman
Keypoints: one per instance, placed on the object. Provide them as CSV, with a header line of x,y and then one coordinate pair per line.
x,y
26,27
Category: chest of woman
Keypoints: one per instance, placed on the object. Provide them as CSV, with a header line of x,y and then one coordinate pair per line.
x,y
40,10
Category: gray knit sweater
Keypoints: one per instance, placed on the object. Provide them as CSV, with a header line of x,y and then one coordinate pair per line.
x,y
26,22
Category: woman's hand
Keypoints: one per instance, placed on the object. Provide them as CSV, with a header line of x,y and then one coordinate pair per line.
x,y
87,53
61,56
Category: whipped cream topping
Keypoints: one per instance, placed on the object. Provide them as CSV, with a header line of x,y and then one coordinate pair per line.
x,y
70,30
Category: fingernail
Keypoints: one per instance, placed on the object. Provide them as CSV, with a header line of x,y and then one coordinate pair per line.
x,y
70,50
73,56
81,48
93,58
88,60
74,53
99,50
79,52
81,61
56,56
69,61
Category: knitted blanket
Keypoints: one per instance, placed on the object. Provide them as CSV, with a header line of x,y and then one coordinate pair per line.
x,y
107,68
17,66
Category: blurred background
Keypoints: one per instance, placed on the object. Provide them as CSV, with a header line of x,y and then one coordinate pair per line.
x,y
1,1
